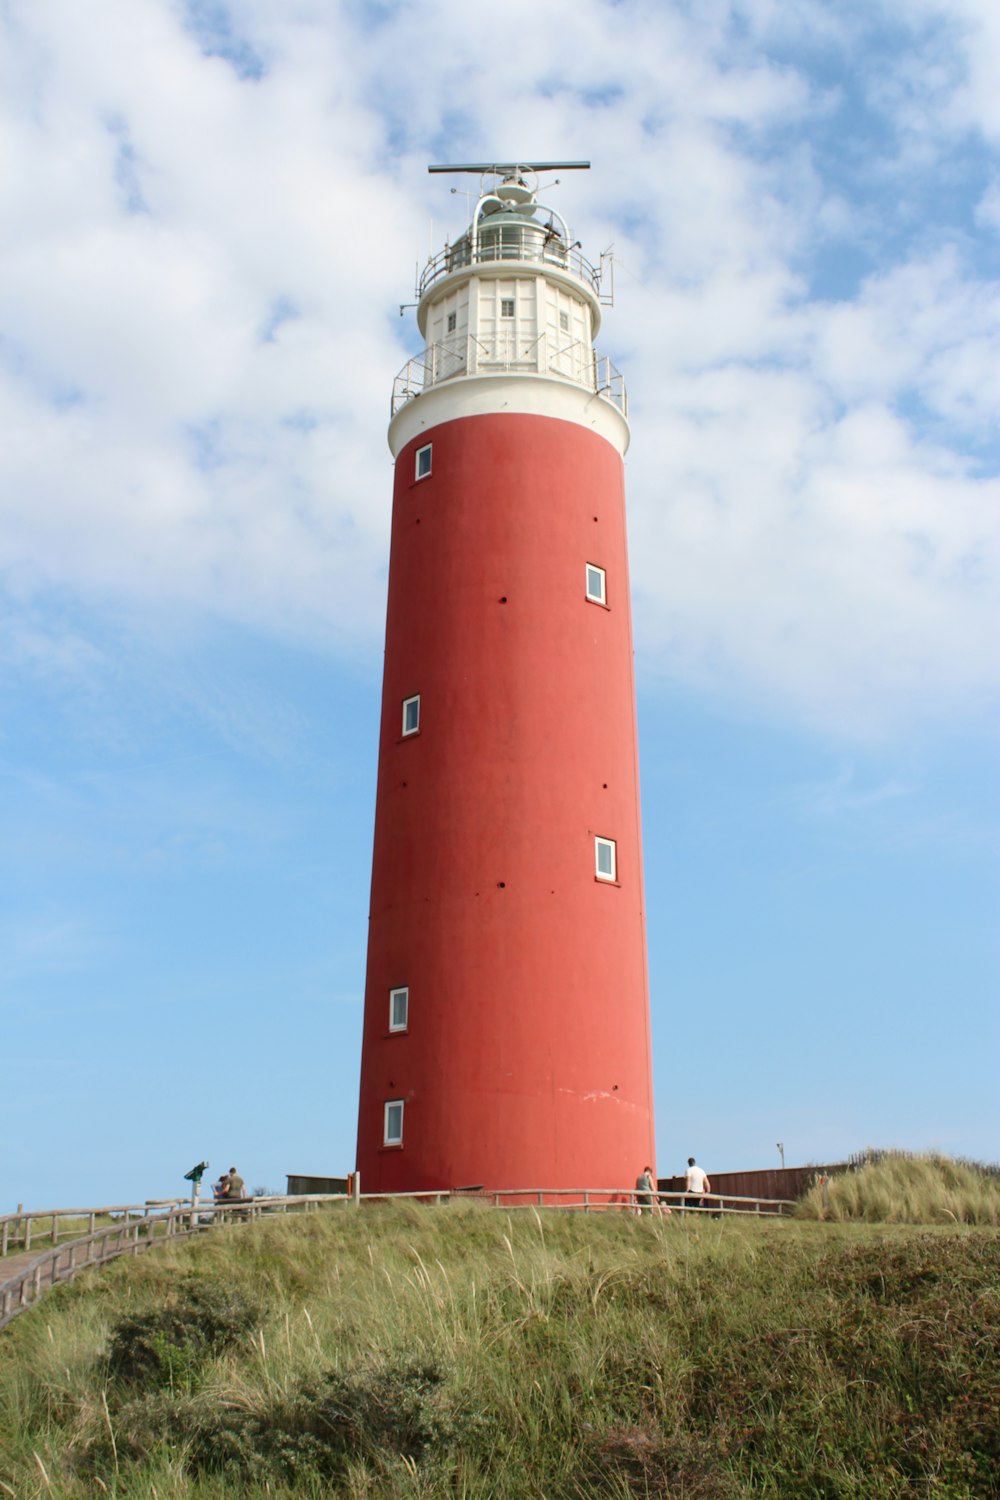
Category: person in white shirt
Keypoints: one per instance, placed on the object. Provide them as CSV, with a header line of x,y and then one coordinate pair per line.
x,y
696,1184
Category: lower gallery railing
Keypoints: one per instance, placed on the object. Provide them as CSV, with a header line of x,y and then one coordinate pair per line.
x,y
135,1228
563,358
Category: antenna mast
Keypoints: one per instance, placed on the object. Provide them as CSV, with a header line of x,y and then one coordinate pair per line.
x,y
512,166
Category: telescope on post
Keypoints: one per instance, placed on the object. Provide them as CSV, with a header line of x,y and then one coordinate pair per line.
x,y
194,1178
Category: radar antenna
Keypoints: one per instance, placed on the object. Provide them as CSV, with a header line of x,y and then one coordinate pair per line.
x,y
501,167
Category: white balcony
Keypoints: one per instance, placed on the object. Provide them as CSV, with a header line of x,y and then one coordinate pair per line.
x,y
570,360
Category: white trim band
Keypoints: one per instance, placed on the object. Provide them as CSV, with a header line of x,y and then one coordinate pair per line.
x,y
524,395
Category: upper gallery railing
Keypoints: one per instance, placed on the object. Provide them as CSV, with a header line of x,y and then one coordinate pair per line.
x,y
573,360
510,242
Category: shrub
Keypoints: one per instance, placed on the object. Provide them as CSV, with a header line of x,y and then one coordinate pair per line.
x,y
375,1414
168,1345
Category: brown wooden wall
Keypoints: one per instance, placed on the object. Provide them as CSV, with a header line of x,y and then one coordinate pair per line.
x,y
771,1182
297,1183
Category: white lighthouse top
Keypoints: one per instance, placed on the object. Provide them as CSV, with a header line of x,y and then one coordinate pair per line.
x,y
511,299
511,223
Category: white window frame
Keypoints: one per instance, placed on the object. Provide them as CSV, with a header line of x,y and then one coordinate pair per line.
x,y
510,302
403,1025
600,844
452,322
387,1139
602,597
418,471
415,728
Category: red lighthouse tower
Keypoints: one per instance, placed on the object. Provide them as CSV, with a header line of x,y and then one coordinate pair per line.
x,y
506,1029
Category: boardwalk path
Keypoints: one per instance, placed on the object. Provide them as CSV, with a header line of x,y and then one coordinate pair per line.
x,y
11,1265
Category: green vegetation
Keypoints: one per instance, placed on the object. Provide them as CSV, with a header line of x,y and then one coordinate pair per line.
x,y
463,1351
893,1187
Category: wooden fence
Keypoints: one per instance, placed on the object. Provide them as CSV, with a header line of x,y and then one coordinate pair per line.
x,y
135,1228
590,1200
65,1261
767,1182
138,1227
20,1230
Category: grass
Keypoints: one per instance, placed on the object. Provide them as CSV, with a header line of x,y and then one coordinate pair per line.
x,y
894,1187
462,1351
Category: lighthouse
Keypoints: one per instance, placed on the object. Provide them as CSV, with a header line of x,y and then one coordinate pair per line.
x,y
506,1039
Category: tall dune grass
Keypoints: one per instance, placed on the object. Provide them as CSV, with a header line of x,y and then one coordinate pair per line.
x,y
894,1187
408,1351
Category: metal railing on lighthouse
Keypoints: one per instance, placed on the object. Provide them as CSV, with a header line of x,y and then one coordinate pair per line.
x,y
572,360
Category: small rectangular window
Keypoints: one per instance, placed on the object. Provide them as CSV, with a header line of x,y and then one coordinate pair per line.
x,y
399,1008
423,467
596,584
564,321
411,714
392,1134
606,859
506,307
452,320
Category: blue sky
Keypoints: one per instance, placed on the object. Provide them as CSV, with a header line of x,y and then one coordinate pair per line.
x,y
211,214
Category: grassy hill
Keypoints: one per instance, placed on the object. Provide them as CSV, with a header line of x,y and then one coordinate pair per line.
x,y
463,1351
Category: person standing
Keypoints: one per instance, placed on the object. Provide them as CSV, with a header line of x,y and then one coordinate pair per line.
x,y
644,1191
696,1185
237,1187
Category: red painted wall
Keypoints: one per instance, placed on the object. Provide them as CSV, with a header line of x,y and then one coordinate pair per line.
x,y
527,1058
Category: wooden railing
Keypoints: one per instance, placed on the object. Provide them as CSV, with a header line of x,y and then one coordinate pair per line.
x,y
138,1227
725,1203
18,1231
135,1229
65,1261
593,1200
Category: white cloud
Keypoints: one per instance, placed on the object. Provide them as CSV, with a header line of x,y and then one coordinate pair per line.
x,y
202,259
966,33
